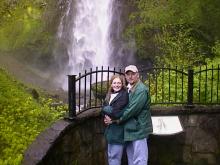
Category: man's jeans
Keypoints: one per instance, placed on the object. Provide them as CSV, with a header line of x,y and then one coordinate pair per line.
x,y
137,152
115,154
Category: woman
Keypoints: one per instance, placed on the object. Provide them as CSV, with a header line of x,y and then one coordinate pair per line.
x,y
116,100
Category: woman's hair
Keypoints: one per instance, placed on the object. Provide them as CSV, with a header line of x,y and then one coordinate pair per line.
x,y
110,90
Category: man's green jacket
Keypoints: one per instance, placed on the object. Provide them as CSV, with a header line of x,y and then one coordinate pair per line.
x,y
137,116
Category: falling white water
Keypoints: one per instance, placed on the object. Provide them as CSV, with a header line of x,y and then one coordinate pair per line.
x,y
85,30
90,45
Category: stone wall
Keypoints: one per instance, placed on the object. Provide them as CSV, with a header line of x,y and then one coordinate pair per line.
x,y
199,144
82,143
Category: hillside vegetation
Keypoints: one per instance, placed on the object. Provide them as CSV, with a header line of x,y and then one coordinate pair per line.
x,y
175,32
23,115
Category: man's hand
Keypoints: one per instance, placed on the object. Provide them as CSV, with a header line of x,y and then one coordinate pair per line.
x,y
107,120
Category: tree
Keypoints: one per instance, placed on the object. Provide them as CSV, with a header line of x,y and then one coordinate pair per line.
x,y
155,21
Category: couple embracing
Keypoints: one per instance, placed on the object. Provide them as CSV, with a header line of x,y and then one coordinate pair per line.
x,y
128,118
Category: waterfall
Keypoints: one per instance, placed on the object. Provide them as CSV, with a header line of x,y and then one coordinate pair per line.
x,y
84,32
90,44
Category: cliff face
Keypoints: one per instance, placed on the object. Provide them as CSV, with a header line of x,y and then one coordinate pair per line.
x,y
122,49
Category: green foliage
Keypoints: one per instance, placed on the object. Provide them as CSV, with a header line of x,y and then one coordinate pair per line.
x,y
179,47
171,85
207,84
22,118
189,26
216,48
21,23
168,85
75,162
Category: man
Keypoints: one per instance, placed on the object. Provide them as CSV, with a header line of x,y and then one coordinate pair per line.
x,y
136,118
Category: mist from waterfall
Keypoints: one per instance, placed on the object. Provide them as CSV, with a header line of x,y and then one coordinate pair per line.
x,y
84,34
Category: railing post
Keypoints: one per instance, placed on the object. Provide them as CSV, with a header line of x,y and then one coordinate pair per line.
x,y
72,96
190,88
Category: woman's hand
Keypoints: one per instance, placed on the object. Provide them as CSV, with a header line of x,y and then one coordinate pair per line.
x,y
107,120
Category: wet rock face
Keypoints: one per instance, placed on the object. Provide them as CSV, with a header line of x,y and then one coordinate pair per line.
x,y
122,51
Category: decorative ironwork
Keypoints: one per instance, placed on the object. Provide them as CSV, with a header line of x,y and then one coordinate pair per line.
x,y
167,87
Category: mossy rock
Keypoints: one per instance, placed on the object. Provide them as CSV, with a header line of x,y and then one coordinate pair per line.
x,y
100,89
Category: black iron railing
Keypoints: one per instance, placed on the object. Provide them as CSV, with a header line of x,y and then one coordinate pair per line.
x,y
167,86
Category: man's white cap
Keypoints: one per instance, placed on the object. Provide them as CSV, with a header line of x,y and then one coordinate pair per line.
x,y
132,68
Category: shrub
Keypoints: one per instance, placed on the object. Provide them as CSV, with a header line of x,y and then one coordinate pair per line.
x,y
22,118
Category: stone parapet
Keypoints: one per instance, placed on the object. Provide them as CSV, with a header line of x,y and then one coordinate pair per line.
x,y
81,142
